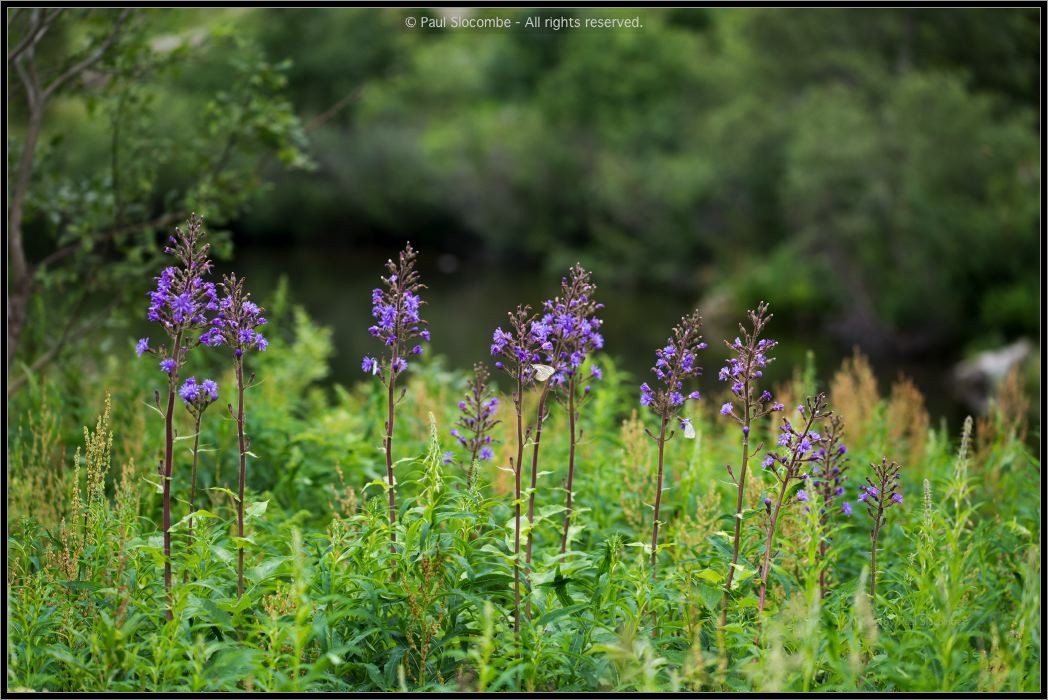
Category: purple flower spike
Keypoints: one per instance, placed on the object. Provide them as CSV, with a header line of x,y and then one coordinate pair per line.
x,y
568,331
477,419
236,321
396,309
675,363
181,296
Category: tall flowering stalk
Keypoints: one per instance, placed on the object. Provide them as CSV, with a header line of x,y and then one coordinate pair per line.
x,y
576,330
517,352
236,326
743,370
828,479
179,304
674,364
800,447
197,397
564,333
477,419
400,328
880,493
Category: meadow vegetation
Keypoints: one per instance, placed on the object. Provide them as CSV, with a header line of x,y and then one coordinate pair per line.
x,y
338,592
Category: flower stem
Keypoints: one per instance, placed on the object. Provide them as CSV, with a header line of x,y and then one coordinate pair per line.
x,y
243,476
390,416
192,488
873,554
572,438
739,503
655,522
766,565
539,416
518,401
169,457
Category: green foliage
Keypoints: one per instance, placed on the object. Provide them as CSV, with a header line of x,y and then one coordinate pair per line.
x,y
327,607
171,118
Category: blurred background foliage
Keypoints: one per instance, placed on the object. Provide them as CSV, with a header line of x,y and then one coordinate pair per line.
x,y
874,173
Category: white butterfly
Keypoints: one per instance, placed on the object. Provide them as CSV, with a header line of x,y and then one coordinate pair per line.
x,y
543,372
688,428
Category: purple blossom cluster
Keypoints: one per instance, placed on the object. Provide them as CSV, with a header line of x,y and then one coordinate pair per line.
x,y
745,366
398,323
569,329
802,449
882,491
675,363
198,394
236,321
477,418
517,348
828,474
182,298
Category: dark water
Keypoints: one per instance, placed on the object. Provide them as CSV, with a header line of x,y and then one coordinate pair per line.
x,y
466,301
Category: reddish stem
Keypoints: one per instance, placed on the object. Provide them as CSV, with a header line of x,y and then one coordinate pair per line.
x,y
243,475
571,461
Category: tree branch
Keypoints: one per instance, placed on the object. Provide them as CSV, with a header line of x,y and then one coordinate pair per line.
x,y
36,32
91,58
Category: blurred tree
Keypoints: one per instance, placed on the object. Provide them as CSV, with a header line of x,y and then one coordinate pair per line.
x,y
104,157
874,170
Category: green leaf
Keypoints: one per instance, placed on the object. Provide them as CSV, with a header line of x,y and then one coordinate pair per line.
x,y
711,597
561,612
256,509
714,577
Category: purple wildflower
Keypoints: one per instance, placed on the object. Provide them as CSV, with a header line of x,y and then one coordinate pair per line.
x,y
881,493
477,419
236,322
181,295
198,395
396,309
189,391
675,363
210,387
178,304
